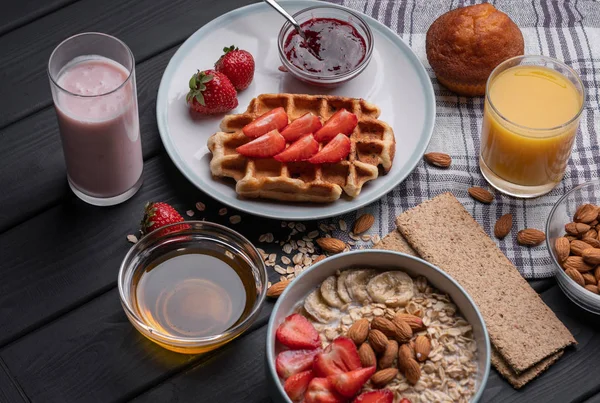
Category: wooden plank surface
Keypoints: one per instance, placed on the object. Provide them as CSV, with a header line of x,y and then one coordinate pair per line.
x,y
10,391
25,52
16,13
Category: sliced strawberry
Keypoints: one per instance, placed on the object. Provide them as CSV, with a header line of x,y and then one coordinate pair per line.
x,y
265,146
296,385
301,150
305,124
296,332
377,396
349,383
274,119
338,357
341,122
404,400
320,390
334,151
291,362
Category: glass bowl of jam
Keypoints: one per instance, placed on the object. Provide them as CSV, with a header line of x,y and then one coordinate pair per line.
x,y
192,287
337,45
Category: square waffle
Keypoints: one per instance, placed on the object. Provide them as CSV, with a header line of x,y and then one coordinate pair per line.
x,y
372,151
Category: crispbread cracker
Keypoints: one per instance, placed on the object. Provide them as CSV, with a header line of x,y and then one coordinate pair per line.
x,y
518,381
396,242
521,326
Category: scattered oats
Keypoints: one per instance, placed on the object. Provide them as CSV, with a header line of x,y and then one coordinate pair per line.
x,y
285,260
355,237
351,243
301,243
326,236
264,254
300,227
270,238
291,225
200,206
323,228
366,238
313,234
289,276
279,269
272,257
282,278
283,224
346,320
298,270
375,239
287,248
132,238
302,250
262,238
310,244
343,225
223,211
306,261
311,250
294,232
294,244
269,263
190,213
289,270
332,227
305,238
378,312
297,258
235,219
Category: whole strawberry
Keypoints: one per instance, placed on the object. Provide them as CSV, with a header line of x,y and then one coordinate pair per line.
x,y
158,215
238,66
211,92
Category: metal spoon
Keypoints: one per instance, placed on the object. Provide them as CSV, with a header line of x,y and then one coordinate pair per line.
x,y
287,16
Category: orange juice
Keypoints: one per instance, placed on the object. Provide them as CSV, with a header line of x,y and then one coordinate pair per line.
x,y
529,124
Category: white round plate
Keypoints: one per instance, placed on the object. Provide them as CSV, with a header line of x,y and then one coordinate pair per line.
x,y
395,80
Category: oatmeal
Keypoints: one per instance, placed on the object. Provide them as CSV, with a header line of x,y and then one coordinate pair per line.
x,y
424,348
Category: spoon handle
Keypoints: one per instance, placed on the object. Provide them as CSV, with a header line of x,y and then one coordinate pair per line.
x,y
285,14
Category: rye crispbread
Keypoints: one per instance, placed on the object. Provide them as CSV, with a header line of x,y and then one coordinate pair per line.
x,y
521,326
518,381
395,241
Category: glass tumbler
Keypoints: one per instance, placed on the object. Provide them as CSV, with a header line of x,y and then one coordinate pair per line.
x,y
531,115
92,77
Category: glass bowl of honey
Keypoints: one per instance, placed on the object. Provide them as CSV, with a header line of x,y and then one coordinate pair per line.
x,y
192,287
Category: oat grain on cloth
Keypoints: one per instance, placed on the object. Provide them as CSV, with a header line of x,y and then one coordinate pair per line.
x,y
566,30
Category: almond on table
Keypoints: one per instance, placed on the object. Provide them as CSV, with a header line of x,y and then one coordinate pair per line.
x,y
503,226
363,223
440,160
530,237
480,194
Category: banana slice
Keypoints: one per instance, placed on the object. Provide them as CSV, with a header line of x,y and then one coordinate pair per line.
x,y
356,284
329,292
393,288
341,287
317,308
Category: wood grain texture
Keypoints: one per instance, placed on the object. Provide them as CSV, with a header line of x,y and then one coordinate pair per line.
x,y
147,28
16,13
10,392
93,354
31,160
236,374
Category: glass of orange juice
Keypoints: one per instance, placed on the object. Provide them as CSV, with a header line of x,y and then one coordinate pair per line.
x,y
530,119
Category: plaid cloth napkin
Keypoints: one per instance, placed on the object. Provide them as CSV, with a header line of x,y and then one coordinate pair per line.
x,y
566,30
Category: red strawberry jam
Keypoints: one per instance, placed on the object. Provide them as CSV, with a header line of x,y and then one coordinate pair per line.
x,y
332,47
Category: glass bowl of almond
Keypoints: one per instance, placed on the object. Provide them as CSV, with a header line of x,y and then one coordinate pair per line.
x,y
574,244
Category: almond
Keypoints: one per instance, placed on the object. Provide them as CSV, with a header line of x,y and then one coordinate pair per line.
x,y
592,288
480,194
415,323
597,274
378,340
405,353
389,355
363,223
586,213
385,326
359,331
503,226
412,371
591,256
589,279
530,237
570,237
577,247
562,248
422,348
576,228
331,245
403,330
384,376
438,159
593,224
276,289
367,356
576,263
592,242
575,276
591,233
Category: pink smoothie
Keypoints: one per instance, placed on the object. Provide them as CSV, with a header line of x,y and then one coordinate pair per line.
x,y
100,128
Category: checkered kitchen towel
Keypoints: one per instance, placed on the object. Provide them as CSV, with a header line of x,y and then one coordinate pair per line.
x,y
566,30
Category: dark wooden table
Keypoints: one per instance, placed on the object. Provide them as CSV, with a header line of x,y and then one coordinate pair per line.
x,y
63,334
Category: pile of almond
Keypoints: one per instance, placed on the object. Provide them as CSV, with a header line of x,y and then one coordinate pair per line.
x,y
578,251
392,346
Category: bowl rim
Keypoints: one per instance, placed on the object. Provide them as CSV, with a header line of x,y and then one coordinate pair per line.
x,y
228,334
271,326
558,271
315,77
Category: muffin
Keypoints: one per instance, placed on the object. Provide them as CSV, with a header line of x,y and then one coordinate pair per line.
x,y
466,44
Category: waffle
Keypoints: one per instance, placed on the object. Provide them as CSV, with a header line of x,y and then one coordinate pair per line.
x,y
372,152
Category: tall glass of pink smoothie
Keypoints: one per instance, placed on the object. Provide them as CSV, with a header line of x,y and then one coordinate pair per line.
x,y
92,76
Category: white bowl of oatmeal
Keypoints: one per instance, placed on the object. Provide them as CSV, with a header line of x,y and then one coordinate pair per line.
x,y
343,289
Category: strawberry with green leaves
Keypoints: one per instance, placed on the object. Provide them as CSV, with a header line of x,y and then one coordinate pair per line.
x,y
211,92
238,66
159,214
